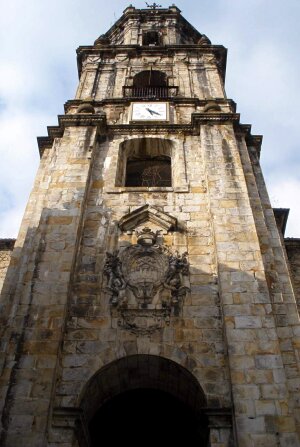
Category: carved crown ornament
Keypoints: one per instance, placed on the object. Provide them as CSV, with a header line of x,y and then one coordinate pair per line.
x,y
145,282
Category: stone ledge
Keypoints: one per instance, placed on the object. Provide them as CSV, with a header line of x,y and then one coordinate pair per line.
x,y
192,129
174,100
64,121
128,189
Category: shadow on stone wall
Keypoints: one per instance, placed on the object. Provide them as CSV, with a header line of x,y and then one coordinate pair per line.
x,y
59,328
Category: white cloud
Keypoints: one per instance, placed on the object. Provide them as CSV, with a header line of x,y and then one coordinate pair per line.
x,y
19,161
11,221
285,194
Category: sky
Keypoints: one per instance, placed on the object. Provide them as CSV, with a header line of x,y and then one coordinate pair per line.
x,y
38,74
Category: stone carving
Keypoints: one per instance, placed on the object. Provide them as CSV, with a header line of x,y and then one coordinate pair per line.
x,y
122,57
144,321
174,281
90,60
115,280
146,276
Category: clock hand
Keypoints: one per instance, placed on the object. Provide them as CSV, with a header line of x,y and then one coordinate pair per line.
x,y
152,111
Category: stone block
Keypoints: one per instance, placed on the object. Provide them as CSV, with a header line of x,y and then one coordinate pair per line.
x,y
242,362
251,424
268,361
60,220
265,407
280,424
264,440
259,376
273,391
247,322
246,391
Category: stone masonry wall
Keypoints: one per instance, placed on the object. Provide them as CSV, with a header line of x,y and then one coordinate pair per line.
x,y
258,369
35,294
194,338
228,289
195,74
279,281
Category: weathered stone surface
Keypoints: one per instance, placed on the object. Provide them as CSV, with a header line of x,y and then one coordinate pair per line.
x,y
230,337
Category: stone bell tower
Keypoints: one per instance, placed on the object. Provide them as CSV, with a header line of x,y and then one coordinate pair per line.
x,y
148,296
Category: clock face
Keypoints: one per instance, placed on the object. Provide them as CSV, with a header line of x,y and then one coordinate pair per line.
x,y
149,111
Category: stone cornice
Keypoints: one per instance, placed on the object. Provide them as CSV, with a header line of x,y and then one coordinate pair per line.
x,y
191,129
134,49
74,120
219,51
150,128
174,100
99,120
214,117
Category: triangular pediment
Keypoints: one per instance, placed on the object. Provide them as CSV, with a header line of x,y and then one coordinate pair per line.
x,y
146,214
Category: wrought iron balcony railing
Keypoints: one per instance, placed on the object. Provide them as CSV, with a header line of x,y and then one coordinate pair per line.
x,y
149,92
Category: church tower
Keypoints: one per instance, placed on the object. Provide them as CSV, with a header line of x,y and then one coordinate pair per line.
x,y
149,296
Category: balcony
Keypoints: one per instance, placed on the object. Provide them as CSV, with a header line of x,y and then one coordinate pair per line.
x,y
150,92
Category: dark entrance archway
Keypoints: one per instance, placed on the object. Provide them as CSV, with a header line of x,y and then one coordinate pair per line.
x,y
145,399
147,417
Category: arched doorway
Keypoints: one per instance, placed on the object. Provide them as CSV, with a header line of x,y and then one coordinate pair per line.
x,y
142,399
147,416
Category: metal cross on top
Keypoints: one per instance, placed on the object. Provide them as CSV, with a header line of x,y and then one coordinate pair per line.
x,y
154,6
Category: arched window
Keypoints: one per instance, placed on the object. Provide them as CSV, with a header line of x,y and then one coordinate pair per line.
x,y
148,171
150,78
150,84
145,162
151,38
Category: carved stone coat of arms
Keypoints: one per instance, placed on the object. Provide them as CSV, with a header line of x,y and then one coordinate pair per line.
x,y
146,279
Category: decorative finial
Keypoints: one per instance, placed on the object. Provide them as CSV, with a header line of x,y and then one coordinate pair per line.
x,y
154,6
